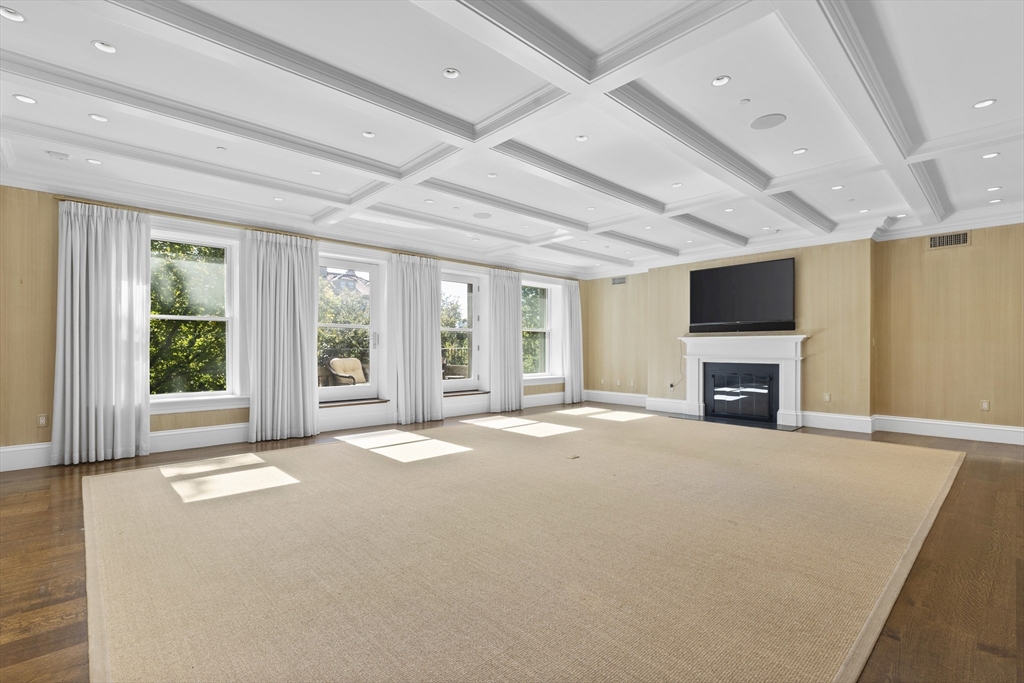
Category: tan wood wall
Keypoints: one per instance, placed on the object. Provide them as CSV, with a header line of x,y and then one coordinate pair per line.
x,y
615,333
537,389
949,328
28,323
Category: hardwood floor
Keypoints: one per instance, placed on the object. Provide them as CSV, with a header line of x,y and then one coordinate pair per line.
x,y
959,617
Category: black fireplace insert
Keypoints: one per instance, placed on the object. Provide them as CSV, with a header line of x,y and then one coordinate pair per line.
x,y
741,391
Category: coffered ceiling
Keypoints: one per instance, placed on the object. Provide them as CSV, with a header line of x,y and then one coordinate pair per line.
x,y
577,138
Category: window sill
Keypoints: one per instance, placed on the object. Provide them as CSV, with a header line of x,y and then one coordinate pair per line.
x,y
195,404
352,402
533,380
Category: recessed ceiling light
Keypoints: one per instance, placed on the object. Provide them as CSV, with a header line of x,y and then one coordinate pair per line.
x,y
526,226
629,252
993,189
743,101
24,98
689,241
901,215
451,73
222,149
720,81
590,208
607,246
837,187
8,13
468,234
369,134
455,208
428,201
677,184
98,117
94,161
800,151
990,155
647,227
984,103
315,173
767,227
476,239
994,201
583,241
581,138
729,210
863,210
481,215
492,175
278,199
104,47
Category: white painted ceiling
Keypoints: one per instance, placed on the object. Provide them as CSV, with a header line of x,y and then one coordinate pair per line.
x,y
880,93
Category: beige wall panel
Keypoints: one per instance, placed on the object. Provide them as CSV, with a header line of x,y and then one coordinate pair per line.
x,y
28,313
615,334
949,328
833,307
536,389
205,418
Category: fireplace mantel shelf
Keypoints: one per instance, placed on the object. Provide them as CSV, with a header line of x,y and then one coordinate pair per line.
x,y
783,349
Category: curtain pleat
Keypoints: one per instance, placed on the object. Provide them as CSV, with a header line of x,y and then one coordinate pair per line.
x,y
506,340
101,368
572,337
282,302
414,322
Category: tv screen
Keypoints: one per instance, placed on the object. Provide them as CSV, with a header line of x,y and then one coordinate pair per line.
x,y
746,298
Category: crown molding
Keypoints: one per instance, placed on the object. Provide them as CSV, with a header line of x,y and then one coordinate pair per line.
x,y
448,224
522,22
649,107
927,176
959,221
808,213
711,230
641,243
538,159
839,17
195,22
60,77
823,174
694,203
7,156
427,160
996,134
583,253
521,109
454,190
163,159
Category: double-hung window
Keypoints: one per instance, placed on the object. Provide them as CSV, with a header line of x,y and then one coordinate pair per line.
x,y
536,330
191,317
458,346
347,336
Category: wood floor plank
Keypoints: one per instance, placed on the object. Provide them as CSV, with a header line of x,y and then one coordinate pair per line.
x,y
959,616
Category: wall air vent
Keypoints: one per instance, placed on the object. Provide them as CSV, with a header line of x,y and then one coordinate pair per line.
x,y
953,239
618,280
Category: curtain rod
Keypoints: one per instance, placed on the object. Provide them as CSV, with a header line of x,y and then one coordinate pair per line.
x,y
213,221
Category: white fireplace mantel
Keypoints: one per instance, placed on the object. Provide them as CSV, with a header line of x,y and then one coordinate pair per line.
x,y
784,350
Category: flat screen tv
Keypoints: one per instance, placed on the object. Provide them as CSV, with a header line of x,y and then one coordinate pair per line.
x,y
751,297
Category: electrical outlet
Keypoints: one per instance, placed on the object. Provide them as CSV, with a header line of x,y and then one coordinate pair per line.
x,y
602,380
618,382
828,398
984,405
632,383
42,420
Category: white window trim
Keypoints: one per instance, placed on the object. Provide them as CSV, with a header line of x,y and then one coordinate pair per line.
x,y
229,239
553,338
371,389
529,376
472,382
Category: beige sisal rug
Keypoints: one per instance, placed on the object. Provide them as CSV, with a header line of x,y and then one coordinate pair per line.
x,y
667,550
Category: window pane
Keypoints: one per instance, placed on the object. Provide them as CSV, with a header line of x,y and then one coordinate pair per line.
x,y
344,296
186,279
535,307
535,352
456,355
456,304
343,356
187,355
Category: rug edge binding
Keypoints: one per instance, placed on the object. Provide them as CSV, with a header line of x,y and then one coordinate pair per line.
x,y
99,663
857,658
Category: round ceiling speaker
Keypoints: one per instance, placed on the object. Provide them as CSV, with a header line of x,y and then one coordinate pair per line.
x,y
768,121
481,215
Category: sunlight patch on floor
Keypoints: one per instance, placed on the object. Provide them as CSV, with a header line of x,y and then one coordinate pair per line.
x,y
420,450
231,484
387,437
542,429
620,416
226,462
499,422
583,411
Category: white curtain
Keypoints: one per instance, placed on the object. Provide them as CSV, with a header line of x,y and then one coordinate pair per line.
x,y
507,340
282,300
101,370
414,326
572,343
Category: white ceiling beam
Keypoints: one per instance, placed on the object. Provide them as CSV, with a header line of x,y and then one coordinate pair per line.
x,y
583,253
824,175
981,140
446,223
707,229
472,195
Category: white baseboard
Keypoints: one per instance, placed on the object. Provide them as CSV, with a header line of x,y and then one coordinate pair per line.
x,y
197,437
667,405
973,431
25,456
553,399
618,397
846,423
